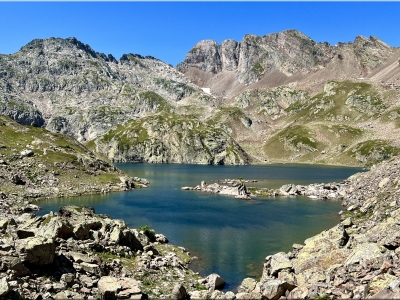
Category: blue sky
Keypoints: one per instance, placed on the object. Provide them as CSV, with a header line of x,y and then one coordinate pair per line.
x,y
168,30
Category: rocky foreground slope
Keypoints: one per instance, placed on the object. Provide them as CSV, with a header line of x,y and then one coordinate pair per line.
x,y
357,259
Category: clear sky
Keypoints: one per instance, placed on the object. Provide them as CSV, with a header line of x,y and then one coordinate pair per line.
x,y
168,30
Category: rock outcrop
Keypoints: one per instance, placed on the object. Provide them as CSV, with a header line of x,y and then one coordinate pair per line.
x,y
171,139
234,188
288,52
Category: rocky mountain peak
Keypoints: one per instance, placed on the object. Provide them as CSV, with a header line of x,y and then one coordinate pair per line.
x,y
61,46
283,54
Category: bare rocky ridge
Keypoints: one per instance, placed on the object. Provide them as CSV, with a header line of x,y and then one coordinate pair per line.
x,y
289,55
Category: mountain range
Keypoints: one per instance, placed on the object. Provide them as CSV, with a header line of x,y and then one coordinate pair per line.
x,y
281,97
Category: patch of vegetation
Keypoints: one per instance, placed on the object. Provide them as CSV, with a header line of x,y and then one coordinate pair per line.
x,y
47,220
194,50
150,233
258,70
373,151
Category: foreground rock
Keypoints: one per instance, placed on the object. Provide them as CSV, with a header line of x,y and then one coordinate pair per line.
x,y
234,188
77,254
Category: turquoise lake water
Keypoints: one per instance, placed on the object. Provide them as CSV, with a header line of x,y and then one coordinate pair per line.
x,y
230,237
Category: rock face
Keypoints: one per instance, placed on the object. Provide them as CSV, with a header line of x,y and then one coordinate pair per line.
x,y
68,87
171,139
288,52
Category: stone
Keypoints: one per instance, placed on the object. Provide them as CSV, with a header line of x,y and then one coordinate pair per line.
x,y
179,292
15,264
279,261
81,231
162,239
26,153
274,289
61,296
91,268
365,252
36,250
215,282
4,287
68,277
247,285
108,287
79,257
55,228
347,222
383,182
300,292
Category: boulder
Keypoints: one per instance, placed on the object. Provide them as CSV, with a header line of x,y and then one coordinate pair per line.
x,y
4,222
279,261
274,289
179,292
15,264
4,287
300,292
54,228
36,250
91,268
215,282
323,250
365,252
162,239
26,153
247,285
108,287
68,278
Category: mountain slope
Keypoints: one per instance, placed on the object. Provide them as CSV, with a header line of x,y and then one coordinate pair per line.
x,y
279,58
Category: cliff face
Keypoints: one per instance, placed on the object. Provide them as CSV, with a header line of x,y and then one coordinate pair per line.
x,y
289,52
170,139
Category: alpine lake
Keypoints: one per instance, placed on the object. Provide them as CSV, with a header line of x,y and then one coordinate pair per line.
x,y
229,236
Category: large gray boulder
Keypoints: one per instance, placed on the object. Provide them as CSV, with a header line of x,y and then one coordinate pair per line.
x,y
274,289
179,292
215,282
54,228
279,261
36,250
112,288
108,287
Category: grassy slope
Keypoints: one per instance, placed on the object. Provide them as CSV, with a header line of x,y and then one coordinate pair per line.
x,y
59,166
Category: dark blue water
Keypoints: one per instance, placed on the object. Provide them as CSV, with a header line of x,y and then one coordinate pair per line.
x,y
231,237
